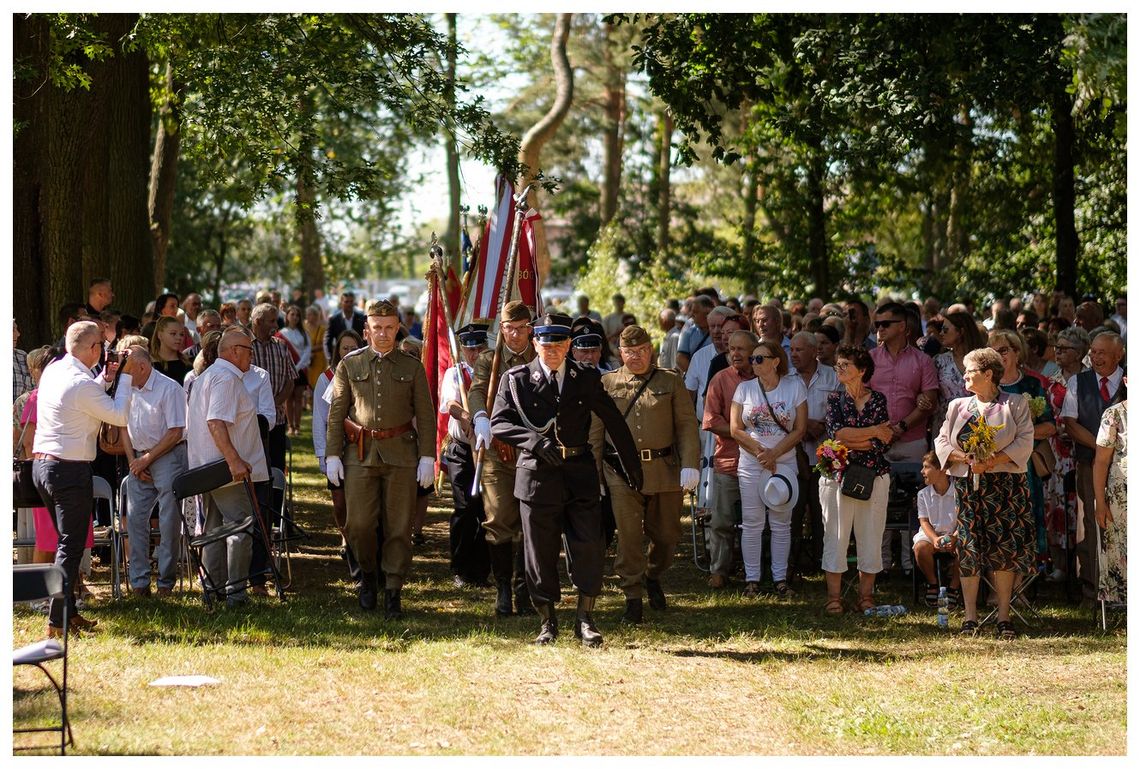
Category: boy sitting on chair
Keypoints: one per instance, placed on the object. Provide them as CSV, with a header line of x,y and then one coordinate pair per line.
x,y
937,532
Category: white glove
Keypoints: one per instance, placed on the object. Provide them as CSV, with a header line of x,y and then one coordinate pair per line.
x,y
690,477
425,473
334,470
482,432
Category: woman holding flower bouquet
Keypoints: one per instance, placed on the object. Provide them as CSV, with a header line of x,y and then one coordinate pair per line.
x,y
1016,378
985,443
857,419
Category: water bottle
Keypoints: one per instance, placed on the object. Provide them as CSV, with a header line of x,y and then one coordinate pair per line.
x,y
886,610
943,610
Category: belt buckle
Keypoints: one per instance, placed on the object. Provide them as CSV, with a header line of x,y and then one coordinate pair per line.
x,y
563,451
646,455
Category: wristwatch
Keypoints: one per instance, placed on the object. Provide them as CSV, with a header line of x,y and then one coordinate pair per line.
x,y
902,425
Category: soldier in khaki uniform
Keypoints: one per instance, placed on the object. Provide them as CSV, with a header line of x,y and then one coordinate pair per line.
x,y
503,526
377,393
664,427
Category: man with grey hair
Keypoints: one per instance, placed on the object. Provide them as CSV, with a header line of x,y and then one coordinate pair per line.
x,y
1087,395
71,407
191,306
695,336
667,322
221,423
156,451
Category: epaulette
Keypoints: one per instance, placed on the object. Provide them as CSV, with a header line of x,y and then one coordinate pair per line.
x,y
357,351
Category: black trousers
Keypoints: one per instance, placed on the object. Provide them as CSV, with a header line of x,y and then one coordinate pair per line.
x,y
578,517
470,558
268,498
67,491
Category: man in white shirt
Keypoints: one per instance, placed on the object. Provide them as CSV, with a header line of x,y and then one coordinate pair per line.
x,y
697,375
820,381
156,449
71,407
221,423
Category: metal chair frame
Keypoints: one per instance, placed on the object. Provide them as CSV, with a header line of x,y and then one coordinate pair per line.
x,y
33,582
112,535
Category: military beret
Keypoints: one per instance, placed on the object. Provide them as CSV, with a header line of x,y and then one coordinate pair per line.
x,y
633,336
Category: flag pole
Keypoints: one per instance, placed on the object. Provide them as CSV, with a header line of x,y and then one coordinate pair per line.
x,y
505,292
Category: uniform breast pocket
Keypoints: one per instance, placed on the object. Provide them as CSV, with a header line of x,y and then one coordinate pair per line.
x,y
402,382
653,396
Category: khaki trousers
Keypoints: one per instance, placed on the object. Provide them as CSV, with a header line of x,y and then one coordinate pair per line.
x,y
500,505
656,516
372,492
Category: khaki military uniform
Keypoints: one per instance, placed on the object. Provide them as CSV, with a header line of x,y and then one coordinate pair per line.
x,y
499,502
381,393
662,418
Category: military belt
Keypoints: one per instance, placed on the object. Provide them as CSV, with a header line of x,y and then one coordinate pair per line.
x,y
650,454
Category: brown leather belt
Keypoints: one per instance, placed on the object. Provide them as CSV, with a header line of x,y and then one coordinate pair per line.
x,y
357,433
649,454
506,452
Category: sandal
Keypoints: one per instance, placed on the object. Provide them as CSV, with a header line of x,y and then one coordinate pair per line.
x,y
931,597
833,606
866,602
953,598
782,590
1006,631
969,628
752,589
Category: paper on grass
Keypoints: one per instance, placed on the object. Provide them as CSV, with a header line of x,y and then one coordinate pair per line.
x,y
184,681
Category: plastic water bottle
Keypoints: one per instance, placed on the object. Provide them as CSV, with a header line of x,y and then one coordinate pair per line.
x,y
886,610
943,610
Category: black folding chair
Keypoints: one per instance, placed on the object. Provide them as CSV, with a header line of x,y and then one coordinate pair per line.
x,y
35,582
206,478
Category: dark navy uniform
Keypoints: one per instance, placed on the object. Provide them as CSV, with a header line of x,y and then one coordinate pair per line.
x,y
557,479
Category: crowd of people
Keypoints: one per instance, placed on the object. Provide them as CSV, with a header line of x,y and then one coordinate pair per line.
x,y
786,420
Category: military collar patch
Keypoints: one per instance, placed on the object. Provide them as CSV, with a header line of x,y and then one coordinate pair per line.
x,y
573,372
536,376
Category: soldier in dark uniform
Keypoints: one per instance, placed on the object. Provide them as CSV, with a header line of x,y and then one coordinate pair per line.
x,y
544,408
381,419
470,561
502,526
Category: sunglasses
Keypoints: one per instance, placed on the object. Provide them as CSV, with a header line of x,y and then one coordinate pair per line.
x,y
756,360
885,323
1002,350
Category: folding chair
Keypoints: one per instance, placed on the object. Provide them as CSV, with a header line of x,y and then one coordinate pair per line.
x,y
1017,597
902,505
286,532
110,536
34,582
206,478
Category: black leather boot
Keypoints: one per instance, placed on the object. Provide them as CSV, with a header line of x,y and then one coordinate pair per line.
x,y
633,611
656,594
392,604
549,630
523,604
501,566
584,627
366,590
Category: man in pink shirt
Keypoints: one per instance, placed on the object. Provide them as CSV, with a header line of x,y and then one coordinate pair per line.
x,y
908,379
726,504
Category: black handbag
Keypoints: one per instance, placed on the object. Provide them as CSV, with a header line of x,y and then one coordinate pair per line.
x,y
858,482
24,491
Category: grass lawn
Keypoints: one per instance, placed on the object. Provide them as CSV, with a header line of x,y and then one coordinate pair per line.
x,y
715,674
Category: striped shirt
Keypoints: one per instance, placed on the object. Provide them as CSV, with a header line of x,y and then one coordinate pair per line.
x,y
274,357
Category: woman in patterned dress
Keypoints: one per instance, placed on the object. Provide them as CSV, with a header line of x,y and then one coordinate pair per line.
x,y
1110,484
995,519
1069,345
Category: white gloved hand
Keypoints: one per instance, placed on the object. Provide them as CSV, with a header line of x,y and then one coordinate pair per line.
x,y
482,432
690,477
334,470
425,473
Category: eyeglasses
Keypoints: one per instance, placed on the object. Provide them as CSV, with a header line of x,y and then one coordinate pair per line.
x,y
1062,348
885,323
756,360
1002,350
971,371
842,365
243,347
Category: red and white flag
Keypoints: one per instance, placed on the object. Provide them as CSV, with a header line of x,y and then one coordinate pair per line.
x,y
485,280
436,354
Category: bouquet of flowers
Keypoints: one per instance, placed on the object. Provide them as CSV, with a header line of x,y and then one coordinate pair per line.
x,y
980,444
832,459
1036,406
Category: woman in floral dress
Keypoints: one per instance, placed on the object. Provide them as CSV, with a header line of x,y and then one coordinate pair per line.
x,y
1110,484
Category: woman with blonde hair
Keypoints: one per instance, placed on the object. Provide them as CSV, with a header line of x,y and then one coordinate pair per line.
x,y
166,346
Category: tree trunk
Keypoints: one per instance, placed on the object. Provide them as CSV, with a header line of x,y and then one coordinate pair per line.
x,y
1064,189
451,237
312,269
957,239
751,205
163,174
30,304
540,133
614,129
664,165
817,227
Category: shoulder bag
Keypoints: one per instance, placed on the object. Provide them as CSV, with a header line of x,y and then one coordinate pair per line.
x,y
24,491
111,437
803,467
858,481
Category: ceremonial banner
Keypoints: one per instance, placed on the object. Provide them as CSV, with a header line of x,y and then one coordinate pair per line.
x,y
437,349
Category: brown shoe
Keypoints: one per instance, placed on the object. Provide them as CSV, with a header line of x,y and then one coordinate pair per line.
x,y
164,592
80,622
259,590
141,592
718,581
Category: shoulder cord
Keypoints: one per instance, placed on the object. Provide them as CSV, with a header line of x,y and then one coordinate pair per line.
x,y
512,386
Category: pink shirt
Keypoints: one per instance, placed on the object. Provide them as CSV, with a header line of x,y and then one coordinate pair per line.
x,y
718,411
902,380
